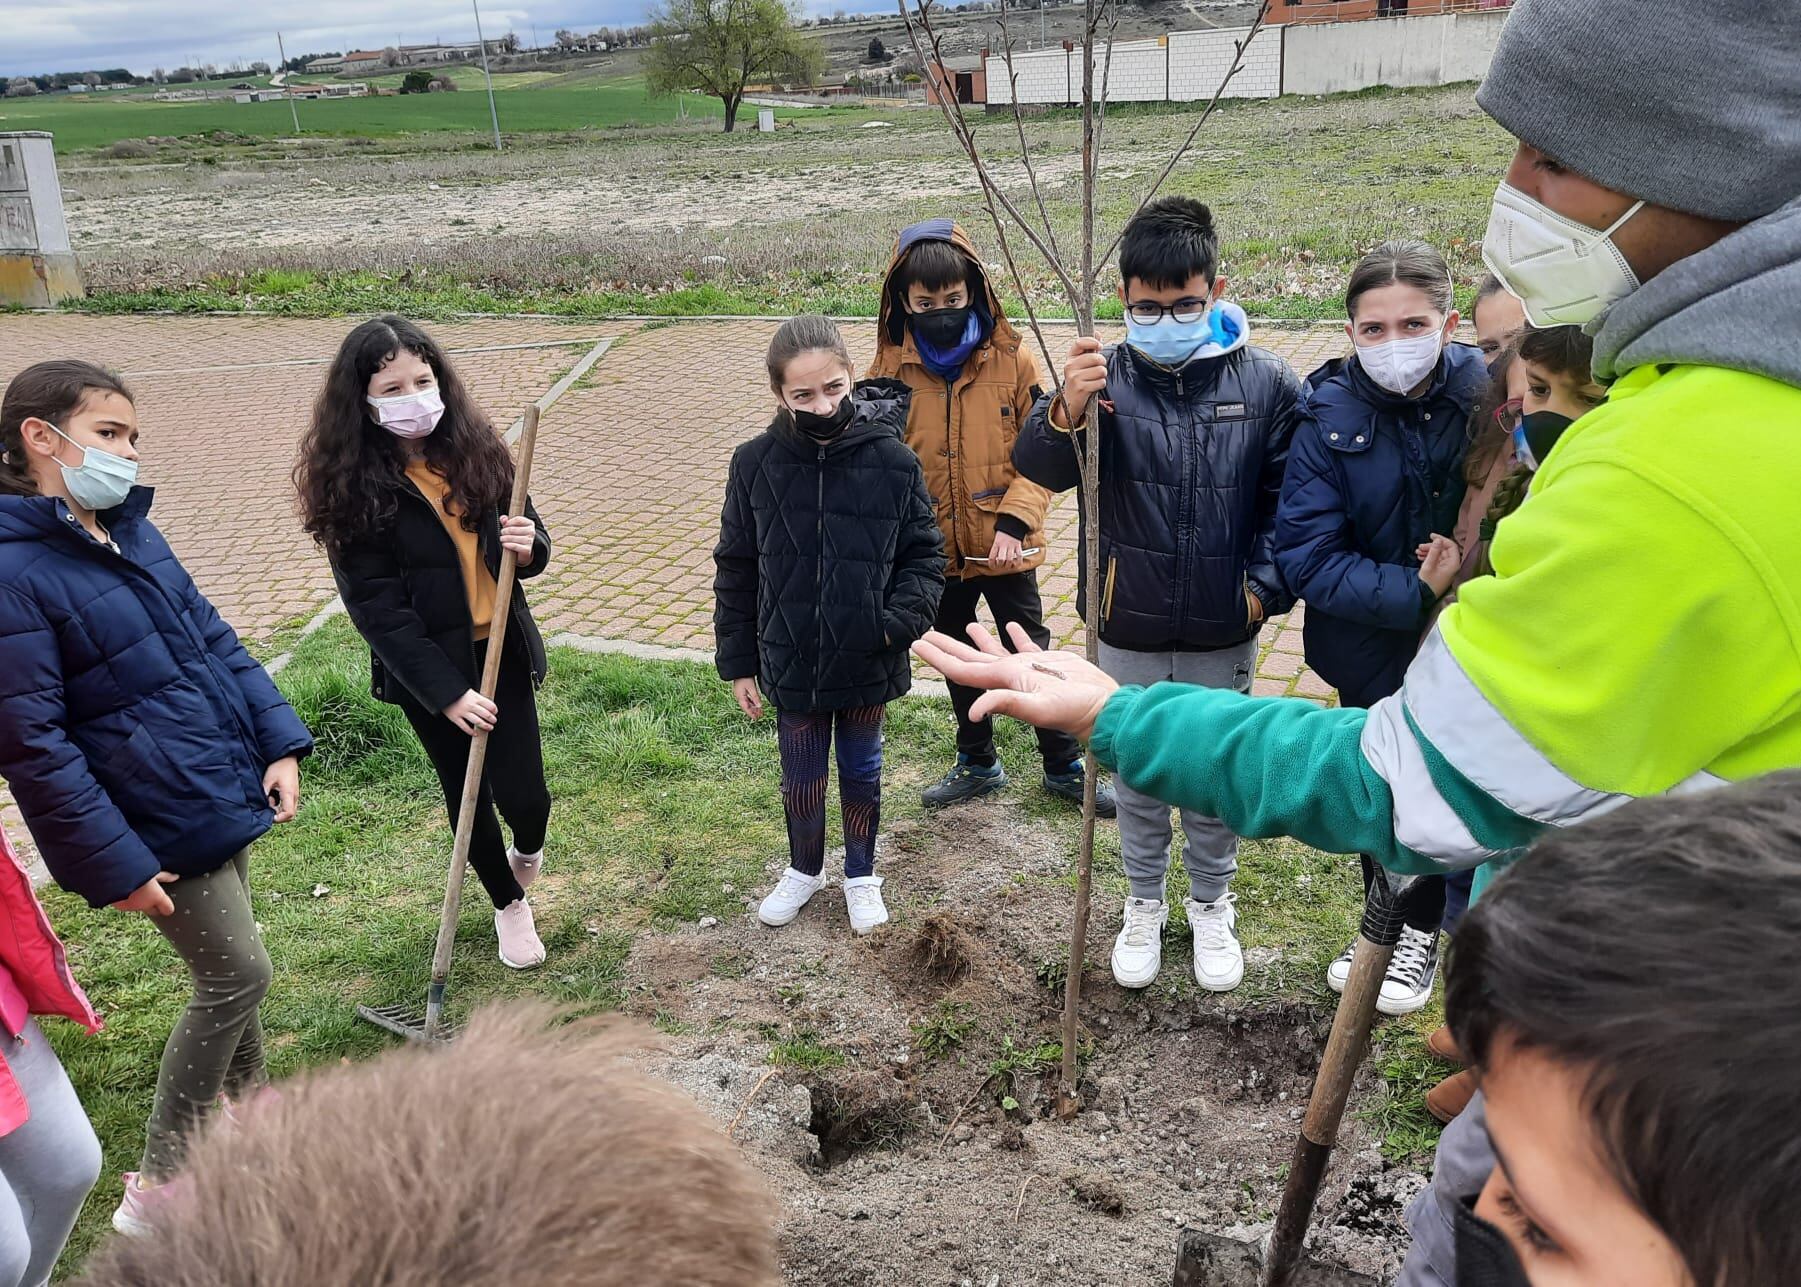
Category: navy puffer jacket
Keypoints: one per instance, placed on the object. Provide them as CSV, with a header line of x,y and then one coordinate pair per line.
x,y
1191,470
1371,476
830,561
134,728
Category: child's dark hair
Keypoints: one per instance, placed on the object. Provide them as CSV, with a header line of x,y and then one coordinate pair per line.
x,y
51,391
1490,285
1409,263
1653,953
934,264
810,332
350,468
398,1171
1169,241
1561,350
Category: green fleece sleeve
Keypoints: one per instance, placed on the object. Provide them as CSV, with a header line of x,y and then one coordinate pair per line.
x,y
1265,766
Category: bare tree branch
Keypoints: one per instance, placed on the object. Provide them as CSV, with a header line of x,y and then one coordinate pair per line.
x,y
960,128
953,115
1237,64
1019,124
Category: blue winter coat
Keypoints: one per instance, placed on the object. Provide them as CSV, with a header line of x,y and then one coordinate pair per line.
x,y
134,728
1191,470
1371,476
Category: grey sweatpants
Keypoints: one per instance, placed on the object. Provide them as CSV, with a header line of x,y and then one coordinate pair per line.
x,y
217,1043
1463,1164
1211,850
47,1165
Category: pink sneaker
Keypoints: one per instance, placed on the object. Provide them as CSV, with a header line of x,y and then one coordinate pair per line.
x,y
520,946
525,866
136,1214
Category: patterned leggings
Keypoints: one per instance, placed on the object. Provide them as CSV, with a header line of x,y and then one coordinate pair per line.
x,y
806,740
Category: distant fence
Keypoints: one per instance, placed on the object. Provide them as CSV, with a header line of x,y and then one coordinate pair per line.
x,y
1314,58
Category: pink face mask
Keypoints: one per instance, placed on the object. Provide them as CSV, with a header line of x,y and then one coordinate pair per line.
x,y
409,415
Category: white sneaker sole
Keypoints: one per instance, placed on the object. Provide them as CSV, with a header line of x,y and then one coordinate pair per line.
x,y
514,965
1134,982
1412,1005
775,921
1225,983
861,930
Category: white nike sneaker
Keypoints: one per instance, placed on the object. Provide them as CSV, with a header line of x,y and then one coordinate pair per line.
x,y
1138,951
1218,959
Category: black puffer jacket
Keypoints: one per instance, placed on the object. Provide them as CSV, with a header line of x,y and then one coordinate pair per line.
x,y
406,597
1191,470
829,560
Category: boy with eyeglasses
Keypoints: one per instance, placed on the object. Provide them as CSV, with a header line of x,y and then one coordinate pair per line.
x,y
1195,424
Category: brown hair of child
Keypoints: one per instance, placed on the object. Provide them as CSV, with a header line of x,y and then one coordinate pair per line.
x,y
524,1152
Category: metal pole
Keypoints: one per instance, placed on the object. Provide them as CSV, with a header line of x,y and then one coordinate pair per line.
x,y
493,112
286,91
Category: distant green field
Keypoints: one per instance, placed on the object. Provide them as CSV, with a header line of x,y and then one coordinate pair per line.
x,y
80,122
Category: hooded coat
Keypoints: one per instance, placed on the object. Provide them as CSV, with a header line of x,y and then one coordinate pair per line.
x,y
963,430
1371,476
134,728
828,563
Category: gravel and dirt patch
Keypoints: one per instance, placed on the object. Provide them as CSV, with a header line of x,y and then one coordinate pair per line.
x,y
907,1125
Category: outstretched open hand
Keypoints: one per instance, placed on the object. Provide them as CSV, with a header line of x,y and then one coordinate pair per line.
x,y
1060,690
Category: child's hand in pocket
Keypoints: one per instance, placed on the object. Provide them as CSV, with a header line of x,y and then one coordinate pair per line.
x,y
750,698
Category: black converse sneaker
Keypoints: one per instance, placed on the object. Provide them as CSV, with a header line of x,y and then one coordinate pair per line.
x,y
1408,984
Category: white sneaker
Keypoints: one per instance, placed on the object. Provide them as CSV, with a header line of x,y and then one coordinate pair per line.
x,y
1138,951
520,946
1408,984
1339,972
1218,959
863,900
790,894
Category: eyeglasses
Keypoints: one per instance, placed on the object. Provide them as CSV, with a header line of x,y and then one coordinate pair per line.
x,y
1508,412
1147,312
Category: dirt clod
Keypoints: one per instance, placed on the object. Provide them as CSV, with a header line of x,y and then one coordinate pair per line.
x,y
941,949
1097,1193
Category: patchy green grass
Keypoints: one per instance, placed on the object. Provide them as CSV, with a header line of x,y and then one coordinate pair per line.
x,y
666,799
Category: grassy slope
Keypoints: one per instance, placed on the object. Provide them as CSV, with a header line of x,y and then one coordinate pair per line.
x,y
667,810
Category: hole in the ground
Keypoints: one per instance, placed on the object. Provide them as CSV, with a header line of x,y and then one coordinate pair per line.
x,y
857,1111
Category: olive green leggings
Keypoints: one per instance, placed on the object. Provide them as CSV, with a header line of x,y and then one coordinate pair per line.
x,y
217,1043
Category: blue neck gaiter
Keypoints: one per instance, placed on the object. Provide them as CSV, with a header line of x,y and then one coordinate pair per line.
x,y
947,363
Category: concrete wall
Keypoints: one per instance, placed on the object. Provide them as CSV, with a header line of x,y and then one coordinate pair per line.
x,y
1181,67
1198,60
1335,57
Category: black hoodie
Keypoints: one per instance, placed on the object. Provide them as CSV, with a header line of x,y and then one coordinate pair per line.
x,y
829,560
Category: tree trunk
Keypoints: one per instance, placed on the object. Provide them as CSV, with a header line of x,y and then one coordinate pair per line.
x,y
731,111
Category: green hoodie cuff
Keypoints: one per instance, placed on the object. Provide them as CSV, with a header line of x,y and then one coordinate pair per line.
x,y
1116,712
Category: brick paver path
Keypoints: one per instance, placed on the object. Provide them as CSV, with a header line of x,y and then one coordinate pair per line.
x,y
631,461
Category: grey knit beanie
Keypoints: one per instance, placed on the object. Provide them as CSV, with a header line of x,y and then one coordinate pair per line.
x,y
1690,104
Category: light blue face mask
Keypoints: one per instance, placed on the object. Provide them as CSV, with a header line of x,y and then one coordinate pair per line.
x,y
102,480
1171,343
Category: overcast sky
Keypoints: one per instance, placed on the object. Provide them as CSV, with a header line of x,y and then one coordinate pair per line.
x,y
42,36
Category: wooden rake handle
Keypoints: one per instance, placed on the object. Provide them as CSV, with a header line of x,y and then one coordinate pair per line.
x,y
478,743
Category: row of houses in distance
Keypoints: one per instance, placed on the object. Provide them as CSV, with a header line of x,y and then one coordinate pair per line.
x,y
374,60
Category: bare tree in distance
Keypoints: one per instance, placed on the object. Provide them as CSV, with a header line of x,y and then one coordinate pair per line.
x,y
721,46
1077,275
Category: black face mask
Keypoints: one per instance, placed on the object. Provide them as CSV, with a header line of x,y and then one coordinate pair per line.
x,y
942,328
825,427
1537,434
1484,1256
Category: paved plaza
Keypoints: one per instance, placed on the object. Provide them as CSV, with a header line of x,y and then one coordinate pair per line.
x,y
630,467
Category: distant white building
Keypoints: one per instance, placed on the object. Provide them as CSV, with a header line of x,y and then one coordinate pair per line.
x,y
78,88
363,60
325,66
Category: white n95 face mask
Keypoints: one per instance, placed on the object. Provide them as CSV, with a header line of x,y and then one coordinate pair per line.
x,y
1400,365
1564,272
